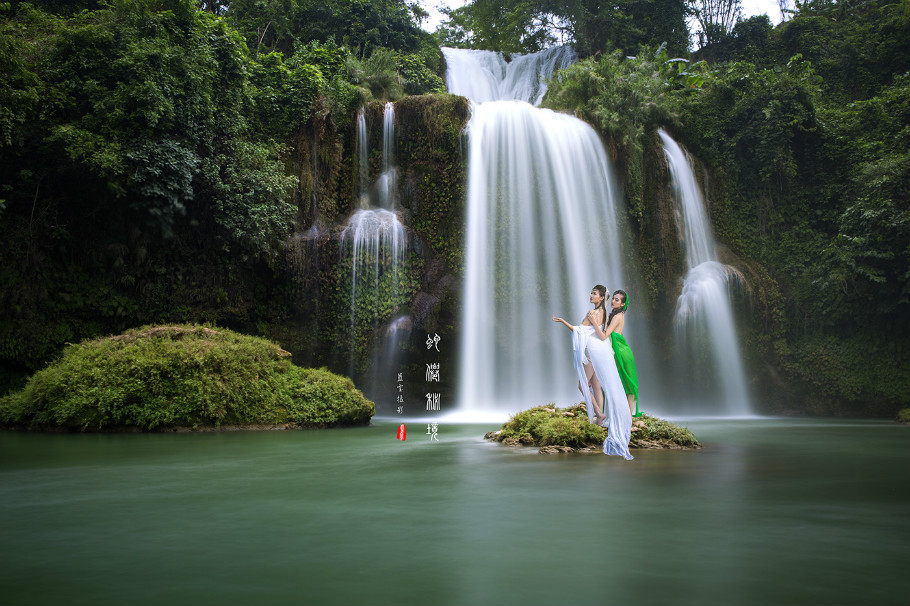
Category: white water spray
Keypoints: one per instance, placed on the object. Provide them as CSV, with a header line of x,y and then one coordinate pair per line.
x,y
703,310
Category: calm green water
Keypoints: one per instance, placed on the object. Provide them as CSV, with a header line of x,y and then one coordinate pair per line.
x,y
769,512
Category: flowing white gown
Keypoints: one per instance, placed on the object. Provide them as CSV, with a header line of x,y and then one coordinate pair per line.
x,y
586,347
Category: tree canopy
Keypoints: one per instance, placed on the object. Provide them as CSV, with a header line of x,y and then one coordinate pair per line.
x,y
591,27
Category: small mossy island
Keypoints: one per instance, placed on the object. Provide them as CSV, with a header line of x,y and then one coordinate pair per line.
x,y
183,376
556,430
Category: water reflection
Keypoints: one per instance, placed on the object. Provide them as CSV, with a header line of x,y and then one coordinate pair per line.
x,y
769,512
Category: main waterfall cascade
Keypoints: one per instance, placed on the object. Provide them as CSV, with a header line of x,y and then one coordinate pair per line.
x,y
704,317
374,237
541,231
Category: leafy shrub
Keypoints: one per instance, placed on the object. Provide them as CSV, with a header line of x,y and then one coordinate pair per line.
x,y
190,375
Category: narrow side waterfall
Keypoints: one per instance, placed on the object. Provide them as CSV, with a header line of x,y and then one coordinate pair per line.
x,y
541,231
375,240
388,137
386,188
363,168
704,317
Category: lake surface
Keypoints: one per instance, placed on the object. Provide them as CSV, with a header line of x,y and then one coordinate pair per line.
x,y
769,512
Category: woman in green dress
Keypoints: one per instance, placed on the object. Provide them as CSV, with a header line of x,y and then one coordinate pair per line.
x,y
625,361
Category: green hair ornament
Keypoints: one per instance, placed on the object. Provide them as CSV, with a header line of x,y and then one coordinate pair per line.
x,y
626,304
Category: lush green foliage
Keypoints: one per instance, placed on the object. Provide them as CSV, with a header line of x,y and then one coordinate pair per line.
x,y
787,147
552,426
147,110
385,51
591,27
388,75
152,167
363,25
626,98
813,149
510,27
194,376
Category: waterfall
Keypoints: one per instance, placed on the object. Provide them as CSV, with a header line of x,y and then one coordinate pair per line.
x,y
375,239
541,231
385,185
363,168
704,317
483,76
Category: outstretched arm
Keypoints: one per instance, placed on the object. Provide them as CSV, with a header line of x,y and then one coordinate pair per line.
x,y
569,326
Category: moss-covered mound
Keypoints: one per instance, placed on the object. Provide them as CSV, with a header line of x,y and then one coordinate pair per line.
x,y
568,429
160,377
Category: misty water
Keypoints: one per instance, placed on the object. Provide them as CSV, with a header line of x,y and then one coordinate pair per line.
x,y
770,511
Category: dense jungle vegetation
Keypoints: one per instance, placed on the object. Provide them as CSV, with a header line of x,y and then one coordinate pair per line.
x,y
157,155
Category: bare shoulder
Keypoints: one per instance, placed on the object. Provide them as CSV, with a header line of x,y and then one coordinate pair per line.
x,y
617,322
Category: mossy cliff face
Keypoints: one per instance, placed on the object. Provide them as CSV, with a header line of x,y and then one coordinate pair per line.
x,y
657,249
659,254
65,280
793,371
423,294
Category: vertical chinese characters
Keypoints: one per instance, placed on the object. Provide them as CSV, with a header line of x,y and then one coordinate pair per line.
x,y
434,399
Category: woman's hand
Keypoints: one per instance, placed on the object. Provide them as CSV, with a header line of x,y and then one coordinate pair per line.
x,y
569,326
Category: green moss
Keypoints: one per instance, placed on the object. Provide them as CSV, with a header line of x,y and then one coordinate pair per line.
x,y
433,171
190,375
867,378
652,429
569,427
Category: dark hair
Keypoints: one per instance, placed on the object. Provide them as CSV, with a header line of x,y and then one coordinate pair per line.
x,y
603,293
625,298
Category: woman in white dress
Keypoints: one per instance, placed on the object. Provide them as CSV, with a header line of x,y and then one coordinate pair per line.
x,y
592,338
588,384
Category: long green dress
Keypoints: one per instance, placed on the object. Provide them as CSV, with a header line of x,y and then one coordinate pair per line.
x,y
625,364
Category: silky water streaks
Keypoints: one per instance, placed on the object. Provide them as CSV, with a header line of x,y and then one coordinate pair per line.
x,y
486,76
709,349
541,230
374,242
